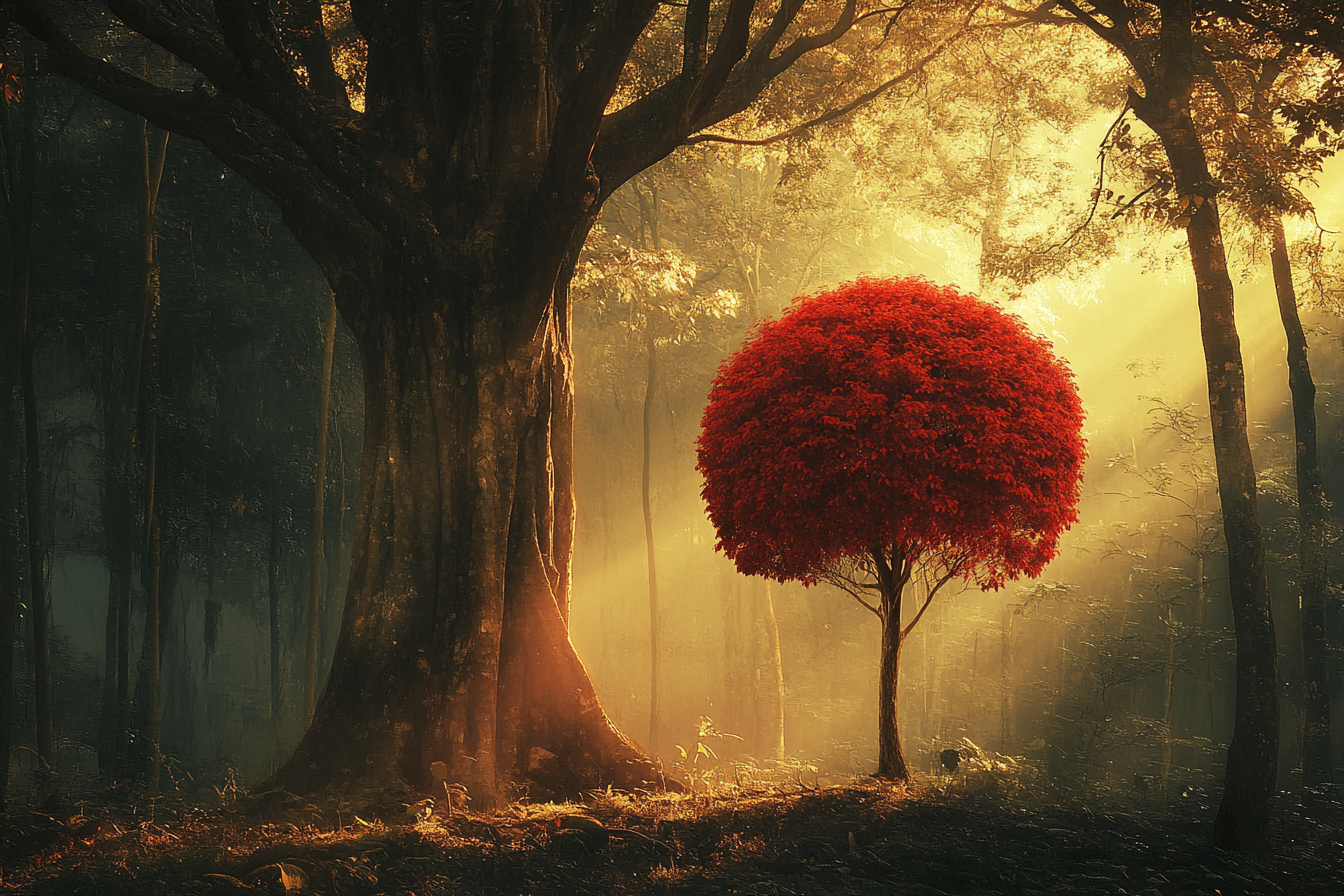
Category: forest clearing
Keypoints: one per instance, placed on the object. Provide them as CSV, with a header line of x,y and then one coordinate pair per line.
x,y
700,446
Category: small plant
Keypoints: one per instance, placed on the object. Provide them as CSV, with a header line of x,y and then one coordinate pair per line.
x,y
691,761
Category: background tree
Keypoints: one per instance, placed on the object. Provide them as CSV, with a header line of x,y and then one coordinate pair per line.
x,y
1162,43
885,431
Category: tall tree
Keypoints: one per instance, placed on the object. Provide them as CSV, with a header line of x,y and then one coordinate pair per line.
x,y
1262,169
20,139
19,176
445,188
1160,41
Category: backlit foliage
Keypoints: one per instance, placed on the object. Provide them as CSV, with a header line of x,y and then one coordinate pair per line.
x,y
892,415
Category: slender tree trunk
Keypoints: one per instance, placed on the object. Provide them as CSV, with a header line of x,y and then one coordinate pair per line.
x,y
116,502
145,399
1317,750
21,161
11,540
319,506
892,576
1168,674
1252,757
11,549
768,671
1005,633
152,666
650,387
769,674
890,755
273,615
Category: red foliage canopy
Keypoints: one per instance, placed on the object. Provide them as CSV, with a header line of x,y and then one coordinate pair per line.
x,y
892,414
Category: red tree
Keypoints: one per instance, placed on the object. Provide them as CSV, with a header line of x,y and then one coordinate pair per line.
x,y
889,430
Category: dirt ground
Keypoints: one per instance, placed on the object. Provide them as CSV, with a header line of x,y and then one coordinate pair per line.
x,y
967,834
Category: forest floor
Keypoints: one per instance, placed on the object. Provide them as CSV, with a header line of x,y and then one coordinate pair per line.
x,y
973,833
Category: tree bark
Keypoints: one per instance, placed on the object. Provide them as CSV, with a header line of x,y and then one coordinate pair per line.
x,y
1317,749
650,386
319,506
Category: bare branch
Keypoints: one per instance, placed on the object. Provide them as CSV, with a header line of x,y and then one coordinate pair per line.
x,y
952,572
872,609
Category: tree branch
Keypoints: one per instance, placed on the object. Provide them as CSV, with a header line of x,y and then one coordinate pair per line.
x,y
952,572
250,31
872,609
188,37
830,115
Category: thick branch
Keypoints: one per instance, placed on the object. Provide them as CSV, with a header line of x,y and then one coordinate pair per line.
x,y
310,37
249,30
188,37
650,128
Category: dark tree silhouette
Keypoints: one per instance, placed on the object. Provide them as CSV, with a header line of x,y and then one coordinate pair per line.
x,y
888,431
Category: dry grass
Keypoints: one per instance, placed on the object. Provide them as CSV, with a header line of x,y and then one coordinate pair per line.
x,y
760,830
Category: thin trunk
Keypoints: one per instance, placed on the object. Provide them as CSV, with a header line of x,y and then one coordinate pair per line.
x,y
890,756
11,549
1005,631
145,397
650,387
153,651
319,506
1252,756
1317,751
273,604
21,162
11,540
768,670
1168,673
769,676
118,558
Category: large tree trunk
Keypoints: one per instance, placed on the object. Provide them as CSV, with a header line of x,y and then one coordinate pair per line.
x,y
1252,756
454,644
319,506
1317,752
